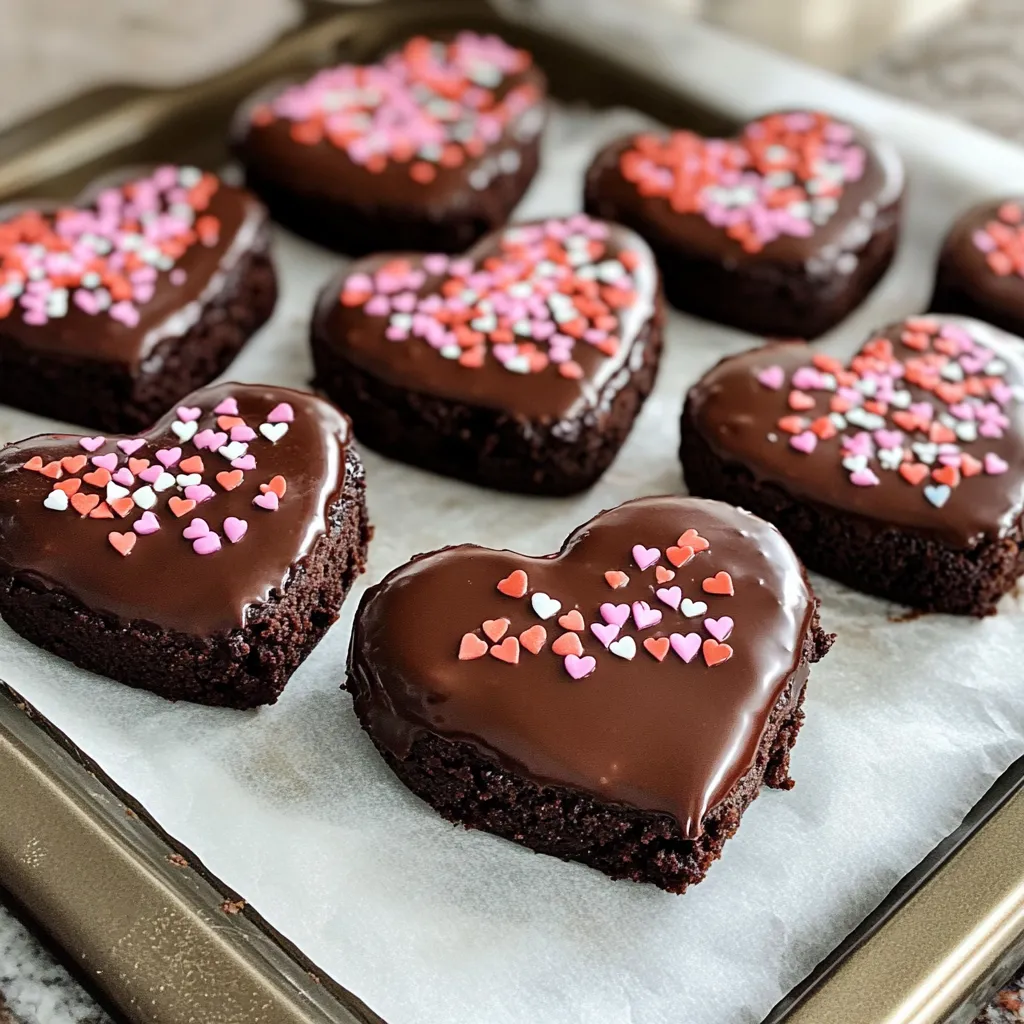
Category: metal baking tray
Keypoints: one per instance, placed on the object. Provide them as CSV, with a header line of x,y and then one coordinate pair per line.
x,y
156,936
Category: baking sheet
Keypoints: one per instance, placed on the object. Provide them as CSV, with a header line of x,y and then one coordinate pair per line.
x,y
908,723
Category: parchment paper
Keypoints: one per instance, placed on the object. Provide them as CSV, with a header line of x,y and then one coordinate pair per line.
x,y
907,724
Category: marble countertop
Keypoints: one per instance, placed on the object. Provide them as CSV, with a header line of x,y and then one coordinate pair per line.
x,y
974,69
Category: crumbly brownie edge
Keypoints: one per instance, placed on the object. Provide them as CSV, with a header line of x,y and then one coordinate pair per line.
x,y
765,297
487,446
360,228
623,842
111,397
241,669
885,561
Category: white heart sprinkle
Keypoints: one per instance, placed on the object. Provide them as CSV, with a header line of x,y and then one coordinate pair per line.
x,y
900,399
162,482
625,647
189,479
273,432
115,491
144,497
57,500
691,609
236,449
184,431
545,606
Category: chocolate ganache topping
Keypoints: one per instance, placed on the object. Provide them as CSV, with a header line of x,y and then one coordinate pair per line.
x,y
544,320
922,429
796,187
184,527
640,664
132,262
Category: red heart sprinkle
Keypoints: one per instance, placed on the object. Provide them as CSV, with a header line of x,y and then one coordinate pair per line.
x,y
792,424
715,653
567,643
948,475
74,463
939,433
122,542
969,465
657,646
52,470
136,466
515,584
97,477
663,575
616,579
193,464
679,556
800,402
720,583
229,481
278,485
824,428
83,504
227,422
122,506
69,487
102,511
181,506
572,620
496,628
534,638
471,647
34,465
507,650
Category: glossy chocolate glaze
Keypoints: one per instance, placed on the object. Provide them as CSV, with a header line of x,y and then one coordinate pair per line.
x,y
667,737
163,581
736,415
546,396
174,308
867,206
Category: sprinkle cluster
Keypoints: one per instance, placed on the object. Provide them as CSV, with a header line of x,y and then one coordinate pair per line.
x,y
608,624
1002,241
882,428
105,259
548,287
430,105
784,175
150,494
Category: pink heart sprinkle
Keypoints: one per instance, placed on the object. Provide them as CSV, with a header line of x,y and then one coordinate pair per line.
x,y
685,646
616,614
605,633
146,524
229,407
772,377
864,478
951,460
888,439
199,493
90,444
151,474
644,615
719,628
207,544
188,413
197,528
994,465
579,667
671,596
130,447
246,462
435,263
805,442
211,440
645,557
124,477
806,378
379,305
167,457
267,501
281,413
107,462
234,529
242,433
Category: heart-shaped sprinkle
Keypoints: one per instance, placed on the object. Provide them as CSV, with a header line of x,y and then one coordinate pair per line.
x,y
572,620
235,529
74,463
195,529
266,501
686,646
616,579
122,543
720,583
937,494
670,596
180,506
242,433
84,504
679,556
193,464
644,615
994,465
146,524
122,506
692,539
645,557
545,606
772,377
199,493
533,639
188,413
101,511
230,422
163,482
208,544
507,650
184,431
230,480
232,450
273,432
69,487
514,585
246,463
719,628
98,477
663,575
34,465
281,413
579,668
657,647
605,632
567,643
209,440
107,462
228,407
624,647
692,609
56,500
168,457
131,445
278,485
615,614
123,477
91,444
495,629
715,653
52,470
471,647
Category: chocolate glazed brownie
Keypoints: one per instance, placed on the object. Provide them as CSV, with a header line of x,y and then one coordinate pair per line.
x,y
520,366
202,561
618,704
427,150
113,309
780,231
899,473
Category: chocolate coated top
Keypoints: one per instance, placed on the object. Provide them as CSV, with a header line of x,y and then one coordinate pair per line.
x,y
163,580
664,736
179,292
739,418
865,207
543,393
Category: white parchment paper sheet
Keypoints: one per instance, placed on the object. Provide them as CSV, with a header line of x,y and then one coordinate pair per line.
x,y
907,724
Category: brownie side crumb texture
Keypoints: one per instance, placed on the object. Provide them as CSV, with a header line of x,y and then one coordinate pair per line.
x,y
109,397
623,842
487,446
242,669
763,296
887,562
361,227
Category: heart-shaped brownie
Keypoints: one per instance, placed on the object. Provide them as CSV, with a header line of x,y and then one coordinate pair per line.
x,y
203,560
981,267
520,365
428,149
114,308
899,471
619,703
781,231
